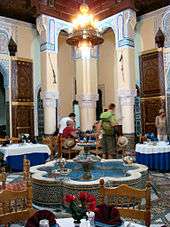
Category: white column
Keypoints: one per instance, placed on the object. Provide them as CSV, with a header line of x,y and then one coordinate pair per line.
x,y
86,80
49,104
123,25
126,68
49,28
126,98
87,110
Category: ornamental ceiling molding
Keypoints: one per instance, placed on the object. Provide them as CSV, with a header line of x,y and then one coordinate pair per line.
x,y
154,13
15,22
161,20
123,25
49,29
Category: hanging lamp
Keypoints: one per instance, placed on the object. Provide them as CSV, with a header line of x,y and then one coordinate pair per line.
x,y
84,30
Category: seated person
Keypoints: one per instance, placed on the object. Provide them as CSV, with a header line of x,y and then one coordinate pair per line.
x,y
70,134
70,131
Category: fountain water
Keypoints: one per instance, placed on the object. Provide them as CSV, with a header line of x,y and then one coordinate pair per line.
x,y
87,161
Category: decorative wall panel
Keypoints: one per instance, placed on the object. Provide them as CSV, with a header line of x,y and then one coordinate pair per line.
x,y
152,74
22,98
152,89
22,120
150,108
21,81
138,126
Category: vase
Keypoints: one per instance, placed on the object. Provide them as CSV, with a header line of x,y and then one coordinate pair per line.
x,y
77,213
77,223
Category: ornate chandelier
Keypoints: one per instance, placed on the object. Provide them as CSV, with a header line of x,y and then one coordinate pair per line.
x,y
84,31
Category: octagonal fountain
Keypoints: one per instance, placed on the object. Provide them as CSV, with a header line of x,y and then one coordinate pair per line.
x,y
53,180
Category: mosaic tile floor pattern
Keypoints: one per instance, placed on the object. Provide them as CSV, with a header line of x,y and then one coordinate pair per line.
x,y
160,198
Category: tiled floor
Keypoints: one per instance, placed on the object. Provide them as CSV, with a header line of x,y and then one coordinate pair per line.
x,y
160,198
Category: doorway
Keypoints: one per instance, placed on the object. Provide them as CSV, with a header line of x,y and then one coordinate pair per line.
x,y
3,125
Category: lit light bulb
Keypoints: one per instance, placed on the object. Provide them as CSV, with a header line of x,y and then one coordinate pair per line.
x,y
84,47
84,8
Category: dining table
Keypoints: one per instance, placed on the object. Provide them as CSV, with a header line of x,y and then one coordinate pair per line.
x,y
155,155
69,222
13,154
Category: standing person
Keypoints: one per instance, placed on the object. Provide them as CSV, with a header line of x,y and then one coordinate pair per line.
x,y
160,123
107,123
63,122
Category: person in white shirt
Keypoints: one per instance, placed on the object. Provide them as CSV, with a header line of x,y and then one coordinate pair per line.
x,y
160,123
63,122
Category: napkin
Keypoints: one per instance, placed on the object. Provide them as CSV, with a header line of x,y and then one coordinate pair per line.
x,y
108,215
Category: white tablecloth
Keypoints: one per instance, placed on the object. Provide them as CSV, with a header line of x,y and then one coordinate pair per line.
x,y
21,149
68,222
161,147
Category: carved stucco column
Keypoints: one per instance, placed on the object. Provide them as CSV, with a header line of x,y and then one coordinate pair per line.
x,y
86,78
123,25
126,71
49,29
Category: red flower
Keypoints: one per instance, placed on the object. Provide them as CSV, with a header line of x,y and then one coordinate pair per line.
x,y
70,198
82,203
83,196
92,206
90,198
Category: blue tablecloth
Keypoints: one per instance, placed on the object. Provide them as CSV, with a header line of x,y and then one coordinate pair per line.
x,y
154,161
13,154
155,157
16,162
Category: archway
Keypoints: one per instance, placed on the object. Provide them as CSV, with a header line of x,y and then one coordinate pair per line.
x,y
66,77
107,69
99,105
3,117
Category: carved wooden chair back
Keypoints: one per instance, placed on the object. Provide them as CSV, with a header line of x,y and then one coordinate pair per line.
x,y
132,203
66,148
51,141
14,139
16,205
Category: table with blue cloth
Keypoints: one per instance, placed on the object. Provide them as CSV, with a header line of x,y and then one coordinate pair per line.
x,y
14,154
155,156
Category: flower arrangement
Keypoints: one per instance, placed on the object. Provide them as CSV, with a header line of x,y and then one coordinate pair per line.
x,y
80,204
24,138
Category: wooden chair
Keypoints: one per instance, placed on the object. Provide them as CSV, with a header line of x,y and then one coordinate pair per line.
x,y
16,203
132,203
14,139
68,151
2,140
51,141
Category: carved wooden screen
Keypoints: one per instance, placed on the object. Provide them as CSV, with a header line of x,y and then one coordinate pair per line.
x,y
152,88
22,97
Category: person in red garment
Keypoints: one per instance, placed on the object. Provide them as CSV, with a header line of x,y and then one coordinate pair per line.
x,y
70,133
